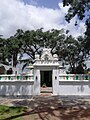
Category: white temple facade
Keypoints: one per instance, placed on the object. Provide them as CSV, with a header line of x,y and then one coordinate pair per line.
x,y
46,70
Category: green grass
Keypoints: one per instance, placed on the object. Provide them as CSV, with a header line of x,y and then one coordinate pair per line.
x,y
11,113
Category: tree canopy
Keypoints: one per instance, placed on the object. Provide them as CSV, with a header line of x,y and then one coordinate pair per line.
x,y
81,9
69,49
3,51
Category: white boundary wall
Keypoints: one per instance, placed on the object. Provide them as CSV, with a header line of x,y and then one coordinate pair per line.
x,y
74,88
71,84
16,88
27,85
16,85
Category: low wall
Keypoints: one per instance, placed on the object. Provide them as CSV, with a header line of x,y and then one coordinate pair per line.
x,y
16,85
27,85
74,84
74,88
16,88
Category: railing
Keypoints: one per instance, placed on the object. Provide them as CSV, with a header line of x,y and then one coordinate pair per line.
x,y
16,77
62,77
74,77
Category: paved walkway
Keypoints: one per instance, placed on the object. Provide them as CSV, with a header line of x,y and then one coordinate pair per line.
x,y
52,107
46,98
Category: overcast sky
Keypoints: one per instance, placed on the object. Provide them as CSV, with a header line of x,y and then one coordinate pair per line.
x,y
34,14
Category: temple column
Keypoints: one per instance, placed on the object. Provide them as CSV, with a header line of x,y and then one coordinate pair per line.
x,y
55,80
36,81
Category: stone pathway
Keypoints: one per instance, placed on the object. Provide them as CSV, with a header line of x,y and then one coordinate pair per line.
x,y
52,107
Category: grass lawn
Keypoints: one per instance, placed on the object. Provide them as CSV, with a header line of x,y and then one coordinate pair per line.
x,y
11,113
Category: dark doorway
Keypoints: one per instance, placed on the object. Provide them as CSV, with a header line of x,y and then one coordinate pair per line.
x,y
46,78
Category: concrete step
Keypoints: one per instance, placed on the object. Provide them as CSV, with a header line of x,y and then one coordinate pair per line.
x,y
46,90
45,94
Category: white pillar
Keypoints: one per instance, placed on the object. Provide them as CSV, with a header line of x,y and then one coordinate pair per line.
x,y
55,79
36,81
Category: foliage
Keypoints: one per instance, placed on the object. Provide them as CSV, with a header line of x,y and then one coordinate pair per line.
x,y
3,51
81,9
71,52
69,49
7,112
77,7
14,45
31,41
87,37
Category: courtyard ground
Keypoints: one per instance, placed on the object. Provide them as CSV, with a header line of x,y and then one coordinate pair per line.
x,y
50,108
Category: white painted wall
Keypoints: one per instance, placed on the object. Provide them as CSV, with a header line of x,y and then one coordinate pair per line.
x,y
74,88
62,84
14,88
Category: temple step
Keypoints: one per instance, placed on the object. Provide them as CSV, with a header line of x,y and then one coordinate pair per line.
x,y
46,90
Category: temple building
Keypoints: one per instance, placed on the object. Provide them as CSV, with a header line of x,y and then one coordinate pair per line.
x,y
46,72
46,68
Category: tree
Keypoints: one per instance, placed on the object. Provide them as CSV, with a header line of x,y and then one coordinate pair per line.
x,y
70,51
14,47
52,38
31,42
81,9
3,51
87,37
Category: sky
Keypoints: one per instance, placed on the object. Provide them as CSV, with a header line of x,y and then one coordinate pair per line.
x,y
44,3
35,14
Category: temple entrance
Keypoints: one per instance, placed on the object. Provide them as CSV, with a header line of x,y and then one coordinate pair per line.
x,y
46,82
46,78
46,69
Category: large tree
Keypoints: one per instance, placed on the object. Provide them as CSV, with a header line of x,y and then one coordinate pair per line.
x,y
32,42
81,9
3,51
14,47
70,52
87,37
